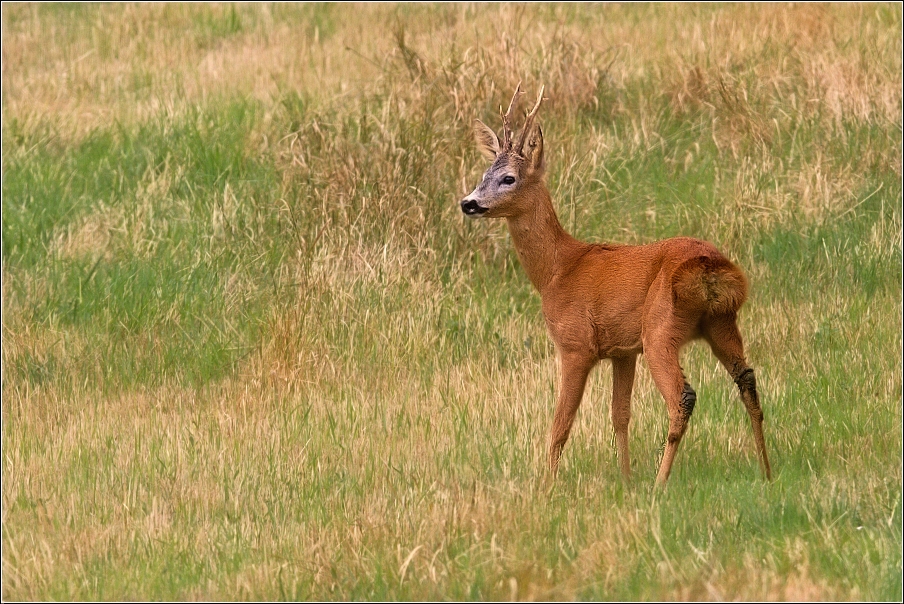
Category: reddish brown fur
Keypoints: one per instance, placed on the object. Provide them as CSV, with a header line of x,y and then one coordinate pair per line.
x,y
613,302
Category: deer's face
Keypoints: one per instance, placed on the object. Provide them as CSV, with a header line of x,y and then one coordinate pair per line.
x,y
496,195
516,166
502,192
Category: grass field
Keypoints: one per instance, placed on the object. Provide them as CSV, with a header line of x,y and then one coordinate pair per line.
x,y
253,350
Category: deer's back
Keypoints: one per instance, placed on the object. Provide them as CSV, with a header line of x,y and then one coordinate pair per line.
x,y
603,292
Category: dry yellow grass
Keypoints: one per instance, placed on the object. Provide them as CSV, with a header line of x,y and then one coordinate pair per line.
x,y
131,62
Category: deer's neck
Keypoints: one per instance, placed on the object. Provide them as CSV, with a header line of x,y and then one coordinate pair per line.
x,y
542,244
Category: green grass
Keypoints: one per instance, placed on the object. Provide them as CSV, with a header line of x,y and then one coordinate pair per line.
x,y
252,349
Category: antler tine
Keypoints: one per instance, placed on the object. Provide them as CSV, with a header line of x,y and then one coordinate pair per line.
x,y
506,124
528,122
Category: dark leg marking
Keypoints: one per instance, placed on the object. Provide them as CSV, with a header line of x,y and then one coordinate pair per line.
x,y
746,380
688,400
686,406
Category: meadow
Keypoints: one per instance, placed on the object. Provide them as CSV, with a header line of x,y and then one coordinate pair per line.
x,y
252,349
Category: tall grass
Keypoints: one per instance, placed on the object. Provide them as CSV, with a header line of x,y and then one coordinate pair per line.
x,y
252,350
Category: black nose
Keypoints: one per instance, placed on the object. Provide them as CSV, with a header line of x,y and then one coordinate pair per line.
x,y
470,207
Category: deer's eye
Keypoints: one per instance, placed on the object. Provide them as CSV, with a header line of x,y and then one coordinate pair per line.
x,y
508,180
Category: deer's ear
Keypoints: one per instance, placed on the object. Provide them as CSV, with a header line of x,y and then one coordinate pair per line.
x,y
533,150
487,141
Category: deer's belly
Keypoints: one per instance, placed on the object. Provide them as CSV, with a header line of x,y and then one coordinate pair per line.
x,y
586,334
617,340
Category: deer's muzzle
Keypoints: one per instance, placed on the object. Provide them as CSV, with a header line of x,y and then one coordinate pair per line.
x,y
471,208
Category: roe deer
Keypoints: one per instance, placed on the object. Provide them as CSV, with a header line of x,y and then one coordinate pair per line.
x,y
604,301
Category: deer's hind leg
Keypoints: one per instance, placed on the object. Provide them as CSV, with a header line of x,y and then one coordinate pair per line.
x,y
665,332
724,338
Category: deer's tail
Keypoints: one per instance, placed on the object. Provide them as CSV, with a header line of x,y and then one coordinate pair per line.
x,y
712,283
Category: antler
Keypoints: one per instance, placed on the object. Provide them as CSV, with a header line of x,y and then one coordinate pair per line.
x,y
506,125
528,122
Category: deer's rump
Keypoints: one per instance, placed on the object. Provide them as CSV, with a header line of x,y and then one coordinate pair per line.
x,y
710,283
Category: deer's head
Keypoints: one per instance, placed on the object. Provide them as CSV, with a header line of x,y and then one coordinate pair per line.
x,y
517,165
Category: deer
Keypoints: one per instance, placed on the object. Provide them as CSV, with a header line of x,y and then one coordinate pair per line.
x,y
603,301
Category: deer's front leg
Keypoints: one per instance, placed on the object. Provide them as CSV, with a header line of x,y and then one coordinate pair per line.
x,y
573,373
622,385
